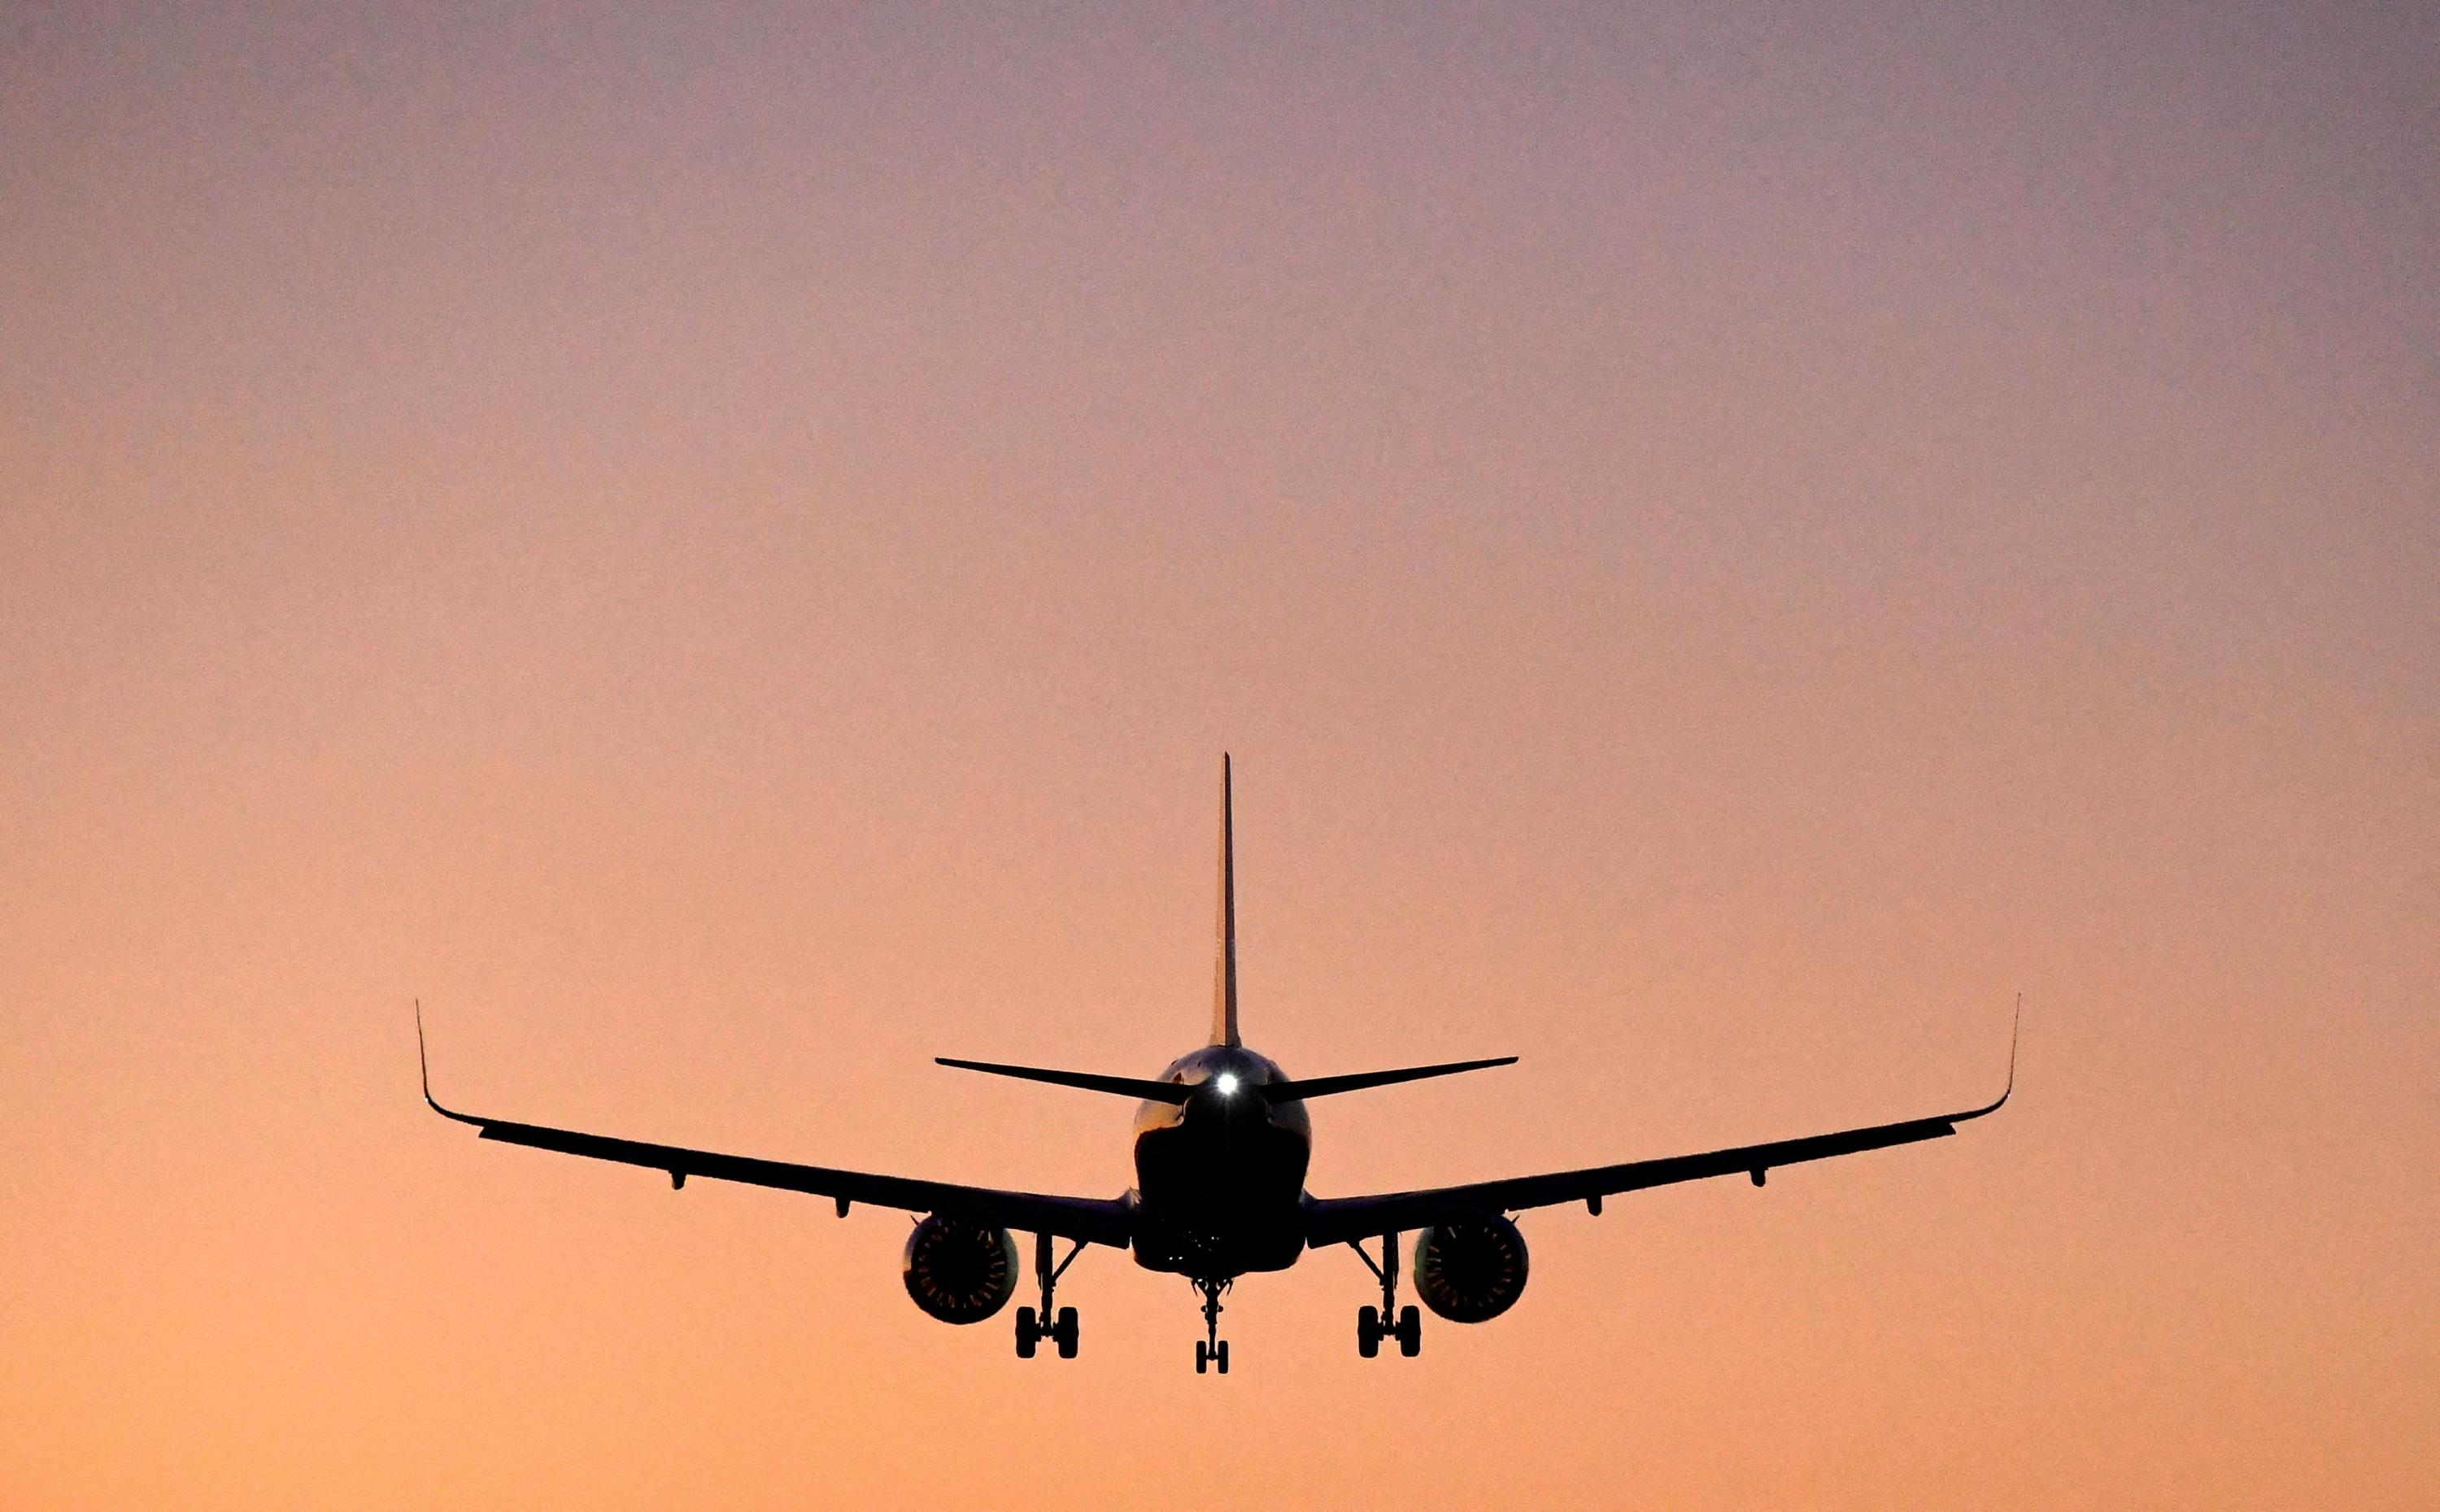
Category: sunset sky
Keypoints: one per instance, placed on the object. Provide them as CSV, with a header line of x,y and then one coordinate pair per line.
x,y
721,547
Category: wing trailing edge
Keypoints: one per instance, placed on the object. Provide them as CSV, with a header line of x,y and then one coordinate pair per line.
x,y
1339,1220
1094,1220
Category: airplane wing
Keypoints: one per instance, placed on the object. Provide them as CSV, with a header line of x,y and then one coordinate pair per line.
x,y
1095,1220
1339,1220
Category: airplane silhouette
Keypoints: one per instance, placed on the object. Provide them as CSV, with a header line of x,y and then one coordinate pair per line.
x,y
1221,1144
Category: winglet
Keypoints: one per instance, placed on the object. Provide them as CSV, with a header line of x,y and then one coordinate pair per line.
x,y
2014,1027
424,1063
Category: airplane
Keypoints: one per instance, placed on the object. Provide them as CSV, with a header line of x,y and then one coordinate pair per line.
x,y
1222,1139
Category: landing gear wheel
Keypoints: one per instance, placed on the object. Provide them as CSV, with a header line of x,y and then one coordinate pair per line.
x,y
1220,1356
1028,1333
1410,1332
1368,1331
1064,1334
1202,1357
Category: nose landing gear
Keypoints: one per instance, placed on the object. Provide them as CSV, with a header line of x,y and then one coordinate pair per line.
x,y
1372,1324
1212,1353
1060,1328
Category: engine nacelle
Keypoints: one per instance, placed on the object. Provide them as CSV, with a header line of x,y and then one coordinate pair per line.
x,y
960,1272
1470,1271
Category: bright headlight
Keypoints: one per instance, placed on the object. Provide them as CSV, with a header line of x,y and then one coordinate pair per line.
x,y
1226,1082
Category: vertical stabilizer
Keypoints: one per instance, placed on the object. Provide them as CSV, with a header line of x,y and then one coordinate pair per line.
x,y
1224,973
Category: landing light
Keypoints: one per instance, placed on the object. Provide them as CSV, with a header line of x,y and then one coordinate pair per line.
x,y
1226,1082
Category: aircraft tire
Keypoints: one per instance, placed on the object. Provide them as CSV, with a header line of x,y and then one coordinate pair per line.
x,y
1202,1357
1410,1331
1220,1355
1065,1333
1368,1331
1028,1333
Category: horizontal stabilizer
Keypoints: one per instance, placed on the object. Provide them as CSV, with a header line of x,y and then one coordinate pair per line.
x,y
1089,1081
1297,1091
1178,1092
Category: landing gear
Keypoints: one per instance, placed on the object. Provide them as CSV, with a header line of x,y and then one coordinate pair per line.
x,y
1035,1326
1212,1353
1031,1330
1372,1324
1371,1327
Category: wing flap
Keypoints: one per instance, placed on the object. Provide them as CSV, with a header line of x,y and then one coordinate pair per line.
x,y
1337,1221
1095,1220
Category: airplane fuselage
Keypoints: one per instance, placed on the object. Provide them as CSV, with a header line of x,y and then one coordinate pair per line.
x,y
1220,1178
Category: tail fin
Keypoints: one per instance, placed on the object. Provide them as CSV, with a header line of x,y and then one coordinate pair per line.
x,y
1224,979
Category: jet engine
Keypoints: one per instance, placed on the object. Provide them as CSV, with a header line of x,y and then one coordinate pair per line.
x,y
1472,1270
960,1272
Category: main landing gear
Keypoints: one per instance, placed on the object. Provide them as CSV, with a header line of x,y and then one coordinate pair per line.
x,y
1372,1324
1212,1353
1060,1328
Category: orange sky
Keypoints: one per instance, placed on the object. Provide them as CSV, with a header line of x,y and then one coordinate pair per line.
x,y
723,553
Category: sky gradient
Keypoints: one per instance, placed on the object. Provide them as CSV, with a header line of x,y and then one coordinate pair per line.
x,y
722,550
